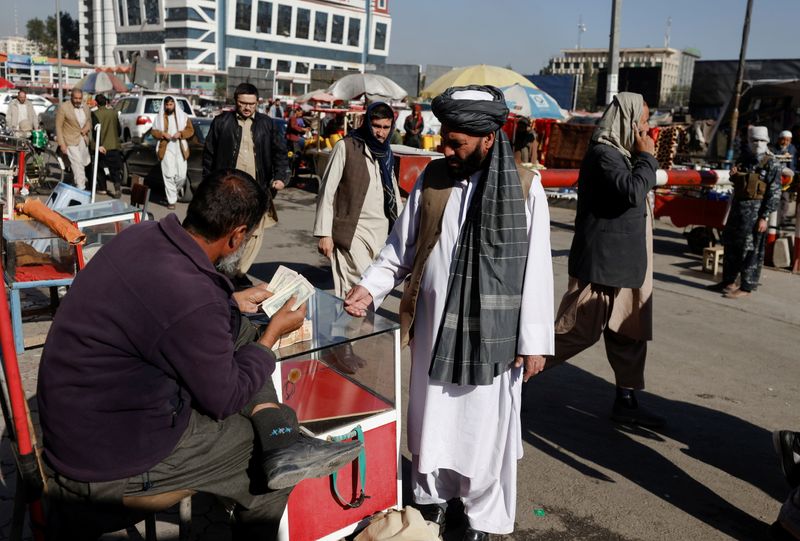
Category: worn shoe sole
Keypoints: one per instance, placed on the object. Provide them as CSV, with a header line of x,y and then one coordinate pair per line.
x,y
290,476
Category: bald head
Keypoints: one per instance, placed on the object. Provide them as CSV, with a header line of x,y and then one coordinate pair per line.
x,y
76,97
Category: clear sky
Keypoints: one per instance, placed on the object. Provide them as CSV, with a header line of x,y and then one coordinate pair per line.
x,y
526,33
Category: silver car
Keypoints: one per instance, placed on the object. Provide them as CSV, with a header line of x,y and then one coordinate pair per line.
x,y
136,113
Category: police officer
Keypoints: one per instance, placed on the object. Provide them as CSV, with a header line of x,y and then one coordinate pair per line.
x,y
757,188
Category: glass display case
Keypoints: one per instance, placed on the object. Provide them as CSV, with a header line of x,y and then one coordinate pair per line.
x,y
32,253
101,222
346,375
34,257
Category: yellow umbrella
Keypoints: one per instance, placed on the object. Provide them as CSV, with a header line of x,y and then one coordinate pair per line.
x,y
481,74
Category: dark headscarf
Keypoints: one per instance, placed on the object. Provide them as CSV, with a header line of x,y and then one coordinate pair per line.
x,y
455,109
477,337
383,153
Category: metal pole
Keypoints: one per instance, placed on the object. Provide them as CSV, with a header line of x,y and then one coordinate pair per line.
x,y
612,79
58,47
96,159
365,52
737,91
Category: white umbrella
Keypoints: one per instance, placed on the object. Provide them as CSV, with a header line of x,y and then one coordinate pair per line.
x,y
375,87
318,96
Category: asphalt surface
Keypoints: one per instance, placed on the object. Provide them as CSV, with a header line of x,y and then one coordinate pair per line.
x,y
723,372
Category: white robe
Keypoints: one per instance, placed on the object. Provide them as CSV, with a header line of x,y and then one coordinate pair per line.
x,y
466,439
173,165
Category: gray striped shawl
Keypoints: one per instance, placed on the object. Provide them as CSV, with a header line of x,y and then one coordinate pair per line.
x,y
478,334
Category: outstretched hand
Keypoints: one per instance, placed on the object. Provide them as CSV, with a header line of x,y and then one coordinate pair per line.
x,y
357,301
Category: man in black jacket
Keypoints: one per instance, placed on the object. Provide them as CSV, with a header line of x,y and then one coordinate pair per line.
x,y
250,141
610,262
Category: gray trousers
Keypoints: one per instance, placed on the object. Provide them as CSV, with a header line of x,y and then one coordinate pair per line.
x,y
215,457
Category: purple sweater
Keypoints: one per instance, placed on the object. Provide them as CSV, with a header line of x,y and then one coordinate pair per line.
x,y
143,337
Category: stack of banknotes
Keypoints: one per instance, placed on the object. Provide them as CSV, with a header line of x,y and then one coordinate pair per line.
x,y
284,285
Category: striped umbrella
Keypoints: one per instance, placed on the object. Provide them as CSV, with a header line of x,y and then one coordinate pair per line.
x,y
101,82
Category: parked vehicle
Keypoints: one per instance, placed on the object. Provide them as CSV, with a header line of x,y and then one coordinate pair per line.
x,y
140,159
137,112
47,120
39,103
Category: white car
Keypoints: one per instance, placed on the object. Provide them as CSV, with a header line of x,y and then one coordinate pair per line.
x,y
136,113
39,103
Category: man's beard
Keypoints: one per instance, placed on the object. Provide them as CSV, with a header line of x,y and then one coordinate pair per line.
x,y
229,264
458,169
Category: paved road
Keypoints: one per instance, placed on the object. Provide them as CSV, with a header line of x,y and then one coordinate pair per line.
x,y
723,372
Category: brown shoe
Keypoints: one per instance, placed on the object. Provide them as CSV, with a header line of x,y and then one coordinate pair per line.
x,y
736,294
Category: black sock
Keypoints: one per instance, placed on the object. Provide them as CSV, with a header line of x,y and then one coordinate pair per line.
x,y
627,397
275,428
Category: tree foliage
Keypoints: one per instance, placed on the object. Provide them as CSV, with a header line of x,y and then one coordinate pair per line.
x,y
44,33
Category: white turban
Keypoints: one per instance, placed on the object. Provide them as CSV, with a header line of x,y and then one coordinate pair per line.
x,y
758,133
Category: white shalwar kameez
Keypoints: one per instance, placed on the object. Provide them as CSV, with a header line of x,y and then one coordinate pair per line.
x,y
466,440
173,165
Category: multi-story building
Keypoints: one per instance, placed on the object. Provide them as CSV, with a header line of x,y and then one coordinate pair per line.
x,y
675,68
19,45
98,33
290,37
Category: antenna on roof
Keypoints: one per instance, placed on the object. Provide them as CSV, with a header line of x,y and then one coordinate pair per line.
x,y
668,32
581,30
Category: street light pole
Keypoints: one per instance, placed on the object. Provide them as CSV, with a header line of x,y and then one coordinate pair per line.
x,y
737,91
58,47
612,79
365,51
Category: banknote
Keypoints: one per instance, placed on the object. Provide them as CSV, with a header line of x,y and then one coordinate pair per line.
x,y
282,276
299,287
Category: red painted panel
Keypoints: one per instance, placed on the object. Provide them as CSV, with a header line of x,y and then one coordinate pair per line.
x,y
407,168
317,392
685,211
314,511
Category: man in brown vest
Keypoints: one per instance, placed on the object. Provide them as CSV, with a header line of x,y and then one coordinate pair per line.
x,y
358,199
474,244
